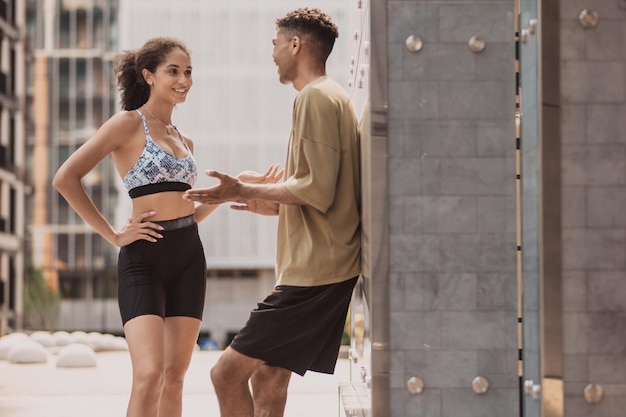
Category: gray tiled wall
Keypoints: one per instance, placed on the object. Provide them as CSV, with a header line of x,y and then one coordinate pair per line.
x,y
593,88
452,242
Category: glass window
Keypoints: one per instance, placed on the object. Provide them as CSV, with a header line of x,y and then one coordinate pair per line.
x,y
71,285
65,28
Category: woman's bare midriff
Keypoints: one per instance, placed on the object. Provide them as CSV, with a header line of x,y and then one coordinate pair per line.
x,y
168,205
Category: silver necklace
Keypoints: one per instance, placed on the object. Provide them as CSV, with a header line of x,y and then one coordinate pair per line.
x,y
167,127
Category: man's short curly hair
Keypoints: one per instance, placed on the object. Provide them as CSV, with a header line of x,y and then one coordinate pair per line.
x,y
311,23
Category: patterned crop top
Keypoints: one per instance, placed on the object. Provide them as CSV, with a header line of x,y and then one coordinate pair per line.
x,y
158,171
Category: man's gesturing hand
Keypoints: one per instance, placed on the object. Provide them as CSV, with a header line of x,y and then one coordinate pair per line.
x,y
226,190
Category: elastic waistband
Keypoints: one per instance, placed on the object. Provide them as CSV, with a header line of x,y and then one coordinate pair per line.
x,y
177,223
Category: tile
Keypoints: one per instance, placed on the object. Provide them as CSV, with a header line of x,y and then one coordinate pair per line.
x,y
594,165
574,206
477,176
606,41
489,20
478,330
413,177
606,123
440,215
496,292
439,61
410,253
477,253
574,291
495,138
495,403
606,291
413,100
475,100
444,368
573,123
440,291
442,138
496,214
605,206
599,249
592,82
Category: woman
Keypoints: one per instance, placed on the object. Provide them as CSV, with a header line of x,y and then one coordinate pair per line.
x,y
161,265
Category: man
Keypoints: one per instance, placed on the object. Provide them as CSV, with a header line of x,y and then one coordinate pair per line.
x,y
299,326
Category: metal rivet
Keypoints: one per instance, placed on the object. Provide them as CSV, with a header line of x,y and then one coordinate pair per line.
x,y
588,18
480,385
593,393
532,25
415,385
535,393
414,43
528,386
476,44
524,35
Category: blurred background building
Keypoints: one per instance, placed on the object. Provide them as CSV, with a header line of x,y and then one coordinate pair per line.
x,y
71,95
12,161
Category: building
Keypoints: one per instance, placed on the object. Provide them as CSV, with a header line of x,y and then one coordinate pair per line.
x,y
70,95
12,162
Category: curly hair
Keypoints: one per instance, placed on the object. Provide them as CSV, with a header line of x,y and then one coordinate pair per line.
x,y
129,64
315,24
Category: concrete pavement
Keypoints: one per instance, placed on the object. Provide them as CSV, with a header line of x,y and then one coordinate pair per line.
x,y
42,390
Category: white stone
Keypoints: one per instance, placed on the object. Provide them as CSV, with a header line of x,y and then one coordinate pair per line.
x,y
7,342
105,342
27,351
120,344
62,338
45,339
93,339
77,355
80,337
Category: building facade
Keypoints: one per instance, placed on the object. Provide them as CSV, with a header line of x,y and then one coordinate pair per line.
x,y
13,176
70,94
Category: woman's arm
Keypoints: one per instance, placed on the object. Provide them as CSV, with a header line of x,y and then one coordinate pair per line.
x,y
67,181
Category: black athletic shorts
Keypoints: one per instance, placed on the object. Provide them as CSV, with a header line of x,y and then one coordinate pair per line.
x,y
298,328
165,278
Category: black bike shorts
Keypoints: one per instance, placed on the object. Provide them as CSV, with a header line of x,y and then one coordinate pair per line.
x,y
298,328
165,278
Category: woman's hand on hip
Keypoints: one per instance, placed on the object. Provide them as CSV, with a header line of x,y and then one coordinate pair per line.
x,y
139,229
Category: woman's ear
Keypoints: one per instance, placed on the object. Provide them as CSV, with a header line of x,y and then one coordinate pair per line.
x,y
147,76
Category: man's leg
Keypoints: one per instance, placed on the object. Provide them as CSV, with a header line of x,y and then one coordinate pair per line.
x,y
230,377
269,390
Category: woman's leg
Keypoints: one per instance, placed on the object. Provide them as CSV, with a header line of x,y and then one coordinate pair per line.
x,y
181,334
144,335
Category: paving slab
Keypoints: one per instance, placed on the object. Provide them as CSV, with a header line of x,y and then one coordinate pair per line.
x,y
43,390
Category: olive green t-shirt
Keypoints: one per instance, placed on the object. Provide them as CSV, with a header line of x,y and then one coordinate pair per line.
x,y
320,243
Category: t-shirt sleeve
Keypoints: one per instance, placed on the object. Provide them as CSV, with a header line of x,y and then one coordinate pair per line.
x,y
315,152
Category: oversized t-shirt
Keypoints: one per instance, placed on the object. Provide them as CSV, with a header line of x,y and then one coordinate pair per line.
x,y
320,243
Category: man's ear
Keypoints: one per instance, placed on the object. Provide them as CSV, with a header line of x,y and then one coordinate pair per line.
x,y
296,44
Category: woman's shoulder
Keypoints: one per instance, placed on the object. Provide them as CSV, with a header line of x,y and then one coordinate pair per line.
x,y
122,123
119,127
124,118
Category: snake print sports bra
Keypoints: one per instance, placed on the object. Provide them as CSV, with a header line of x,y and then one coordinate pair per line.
x,y
158,171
